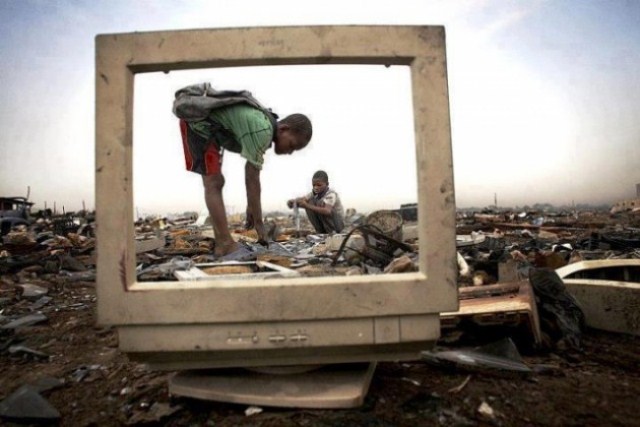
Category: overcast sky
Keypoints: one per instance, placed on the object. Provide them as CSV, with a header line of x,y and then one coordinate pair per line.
x,y
544,100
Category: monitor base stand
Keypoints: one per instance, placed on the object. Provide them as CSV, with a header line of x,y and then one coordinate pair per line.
x,y
330,386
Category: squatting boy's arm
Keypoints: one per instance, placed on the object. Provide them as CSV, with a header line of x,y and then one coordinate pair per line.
x,y
322,210
254,205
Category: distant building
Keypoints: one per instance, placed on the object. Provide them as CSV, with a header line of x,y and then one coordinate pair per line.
x,y
628,205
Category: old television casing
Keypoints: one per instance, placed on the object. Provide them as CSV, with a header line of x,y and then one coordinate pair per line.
x,y
218,323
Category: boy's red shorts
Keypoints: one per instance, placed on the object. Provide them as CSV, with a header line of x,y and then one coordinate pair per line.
x,y
201,156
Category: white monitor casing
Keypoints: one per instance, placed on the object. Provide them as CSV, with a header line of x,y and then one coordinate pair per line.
x,y
230,323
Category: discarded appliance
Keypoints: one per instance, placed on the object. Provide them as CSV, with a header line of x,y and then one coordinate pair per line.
x,y
235,270
510,305
469,240
338,319
608,292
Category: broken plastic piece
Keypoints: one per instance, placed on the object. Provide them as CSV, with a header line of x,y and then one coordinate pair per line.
x,y
28,320
564,319
32,292
21,349
463,267
498,356
26,404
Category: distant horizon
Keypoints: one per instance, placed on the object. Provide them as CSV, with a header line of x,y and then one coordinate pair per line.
x,y
198,206
77,206
266,212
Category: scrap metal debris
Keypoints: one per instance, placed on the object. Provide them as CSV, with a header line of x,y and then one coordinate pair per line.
x,y
24,350
561,315
27,320
495,248
48,267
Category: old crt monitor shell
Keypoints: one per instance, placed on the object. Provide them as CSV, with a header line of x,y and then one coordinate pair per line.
x,y
204,324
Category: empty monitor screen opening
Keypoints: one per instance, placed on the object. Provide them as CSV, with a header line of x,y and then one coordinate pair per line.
x,y
363,137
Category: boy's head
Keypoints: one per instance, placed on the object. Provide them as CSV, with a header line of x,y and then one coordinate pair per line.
x,y
319,182
294,133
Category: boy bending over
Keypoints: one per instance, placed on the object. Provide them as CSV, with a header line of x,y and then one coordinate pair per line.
x,y
248,131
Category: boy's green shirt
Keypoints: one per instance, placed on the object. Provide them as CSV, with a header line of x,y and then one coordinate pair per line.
x,y
249,131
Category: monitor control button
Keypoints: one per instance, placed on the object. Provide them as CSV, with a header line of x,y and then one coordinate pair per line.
x,y
276,339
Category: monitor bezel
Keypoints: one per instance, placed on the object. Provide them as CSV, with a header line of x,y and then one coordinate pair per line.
x,y
122,300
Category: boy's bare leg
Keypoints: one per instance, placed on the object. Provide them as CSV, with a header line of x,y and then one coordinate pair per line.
x,y
215,204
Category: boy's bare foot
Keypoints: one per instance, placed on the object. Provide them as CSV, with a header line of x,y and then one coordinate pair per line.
x,y
225,249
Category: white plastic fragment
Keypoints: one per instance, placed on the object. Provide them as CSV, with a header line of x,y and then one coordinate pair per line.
x,y
252,410
463,267
486,410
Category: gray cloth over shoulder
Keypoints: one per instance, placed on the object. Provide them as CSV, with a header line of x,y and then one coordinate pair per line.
x,y
194,103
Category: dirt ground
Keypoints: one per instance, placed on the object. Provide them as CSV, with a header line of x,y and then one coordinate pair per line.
x,y
597,386
90,382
